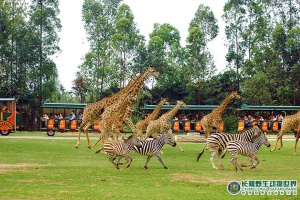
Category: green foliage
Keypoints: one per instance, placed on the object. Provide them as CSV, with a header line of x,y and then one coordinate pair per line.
x,y
230,123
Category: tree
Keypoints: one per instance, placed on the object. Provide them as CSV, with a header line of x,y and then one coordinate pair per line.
x,y
202,29
45,24
256,90
100,18
125,41
234,16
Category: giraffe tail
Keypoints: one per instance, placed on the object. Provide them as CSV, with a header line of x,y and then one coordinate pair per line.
x,y
200,154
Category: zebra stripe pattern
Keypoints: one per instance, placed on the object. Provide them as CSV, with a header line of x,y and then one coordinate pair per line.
x,y
153,147
217,143
247,149
120,149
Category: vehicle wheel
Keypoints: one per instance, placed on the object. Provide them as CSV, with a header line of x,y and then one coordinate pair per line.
x,y
50,133
5,133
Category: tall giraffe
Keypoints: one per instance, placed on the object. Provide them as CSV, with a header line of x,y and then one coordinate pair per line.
x,y
289,122
112,116
163,123
214,119
142,124
93,111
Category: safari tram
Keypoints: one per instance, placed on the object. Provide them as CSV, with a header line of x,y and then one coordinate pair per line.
x,y
9,117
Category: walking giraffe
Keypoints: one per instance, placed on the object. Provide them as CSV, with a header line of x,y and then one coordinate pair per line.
x,y
214,119
289,122
163,123
109,124
93,111
142,124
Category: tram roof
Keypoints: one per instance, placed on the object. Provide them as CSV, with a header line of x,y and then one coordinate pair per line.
x,y
7,99
251,107
64,105
189,107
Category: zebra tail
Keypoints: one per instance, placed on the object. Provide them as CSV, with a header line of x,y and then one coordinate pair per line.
x,y
98,150
200,154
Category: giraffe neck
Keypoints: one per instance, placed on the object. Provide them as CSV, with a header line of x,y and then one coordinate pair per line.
x,y
155,112
221,109
171,113
134,89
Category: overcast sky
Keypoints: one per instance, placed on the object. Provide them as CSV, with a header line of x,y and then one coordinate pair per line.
x,y
177,13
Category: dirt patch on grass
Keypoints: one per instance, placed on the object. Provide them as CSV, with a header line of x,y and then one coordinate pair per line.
x,y
6,168
197,179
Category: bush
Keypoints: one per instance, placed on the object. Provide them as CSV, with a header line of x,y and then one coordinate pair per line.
x,y
230,122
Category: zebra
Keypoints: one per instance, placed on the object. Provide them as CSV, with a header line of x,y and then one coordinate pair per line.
x,y
217,142
247,149
153,147
120,149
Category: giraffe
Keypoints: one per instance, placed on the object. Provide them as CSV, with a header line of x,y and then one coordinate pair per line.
x,y
93,111
109,124
127,119
163,123
142,124
214,119
289,122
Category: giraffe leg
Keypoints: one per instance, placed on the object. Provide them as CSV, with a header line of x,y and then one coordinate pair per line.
x,y
79,132
296,142
279,137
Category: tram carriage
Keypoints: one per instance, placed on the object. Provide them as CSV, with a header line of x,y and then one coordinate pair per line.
x,y
9,117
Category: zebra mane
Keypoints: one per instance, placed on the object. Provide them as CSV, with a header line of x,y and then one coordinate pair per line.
x,y
129,138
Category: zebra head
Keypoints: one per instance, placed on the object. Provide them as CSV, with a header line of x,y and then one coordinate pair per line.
x,y
132,139
264,139
168,137
257,132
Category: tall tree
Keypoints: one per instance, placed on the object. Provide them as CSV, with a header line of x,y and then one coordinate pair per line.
x,y
44,23
234,16
202,29
100,18
125,41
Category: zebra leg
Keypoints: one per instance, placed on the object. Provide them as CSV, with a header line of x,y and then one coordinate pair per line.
x,y
254,157
130,160
160,160
233,160
111,159
212,159
220,156
148,158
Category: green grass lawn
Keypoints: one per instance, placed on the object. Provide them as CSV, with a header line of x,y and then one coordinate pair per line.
x,y
49,168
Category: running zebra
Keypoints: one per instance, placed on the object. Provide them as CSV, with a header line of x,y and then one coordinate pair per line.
x,y
217,143
247,149
153,147
120,149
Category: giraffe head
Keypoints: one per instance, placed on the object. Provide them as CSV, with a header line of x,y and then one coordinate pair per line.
x,y
182,104
236,95
165,101
153,72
